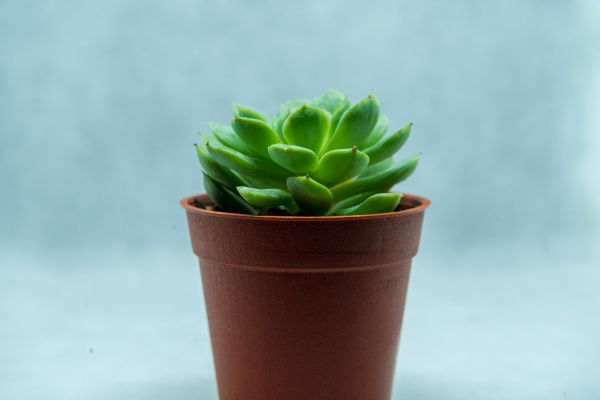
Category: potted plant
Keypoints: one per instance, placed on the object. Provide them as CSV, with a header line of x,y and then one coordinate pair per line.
x,y
304,254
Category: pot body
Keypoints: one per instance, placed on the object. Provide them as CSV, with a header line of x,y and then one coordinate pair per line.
x,y
305,307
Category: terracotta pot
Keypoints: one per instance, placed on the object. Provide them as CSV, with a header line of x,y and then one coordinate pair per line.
x,y
305,308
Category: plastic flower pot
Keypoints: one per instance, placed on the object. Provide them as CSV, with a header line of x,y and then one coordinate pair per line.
x,y
305,308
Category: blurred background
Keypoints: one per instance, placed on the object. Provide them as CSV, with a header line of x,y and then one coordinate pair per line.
x,y
101,101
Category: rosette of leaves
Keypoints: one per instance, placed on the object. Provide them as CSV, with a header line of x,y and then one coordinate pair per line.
x,y
319,157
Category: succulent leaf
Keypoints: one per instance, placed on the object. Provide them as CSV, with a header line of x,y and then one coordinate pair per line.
x,y
284,112
312,197
226,135
215,170
377,168
225,198
265,198
356,124
322,157
297,159
337,115
308,127
256,133
264,182
349,202
387,147
339,165
375,204
381,182
242,163
278,122
246,112
331,100
377,134
290,105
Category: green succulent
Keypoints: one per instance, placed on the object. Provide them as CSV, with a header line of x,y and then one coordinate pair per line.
x,y
319,157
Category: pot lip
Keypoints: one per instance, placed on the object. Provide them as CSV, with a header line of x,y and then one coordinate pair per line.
x,y
420,204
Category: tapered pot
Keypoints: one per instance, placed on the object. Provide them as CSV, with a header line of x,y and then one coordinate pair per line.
x,y
305,308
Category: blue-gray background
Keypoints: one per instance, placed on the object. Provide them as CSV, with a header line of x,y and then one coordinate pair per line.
x,y
100,103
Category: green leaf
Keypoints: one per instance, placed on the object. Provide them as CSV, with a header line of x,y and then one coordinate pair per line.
x,y
387,147
377,168
265,198
356,124
264,182
297,159
244,164
381,182
246,112
376,134
290,105
278,122
308,127
257,134
376,204
212,168
312,197
339,165
349,202
225,198
229,138
331,100
337,115
284,112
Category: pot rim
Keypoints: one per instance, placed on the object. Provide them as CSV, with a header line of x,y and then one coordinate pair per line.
x,y
419,204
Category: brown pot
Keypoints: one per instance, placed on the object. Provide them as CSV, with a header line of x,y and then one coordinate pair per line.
x,y
305,308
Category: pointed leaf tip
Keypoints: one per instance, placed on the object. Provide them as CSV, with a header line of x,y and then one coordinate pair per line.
x,y
312,197
247,112
257,134
339,165
265,198
379,182
375,204
388,146
355,124
296,159
308,127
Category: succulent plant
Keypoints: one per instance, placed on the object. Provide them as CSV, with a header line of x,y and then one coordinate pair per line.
x,y
319,157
